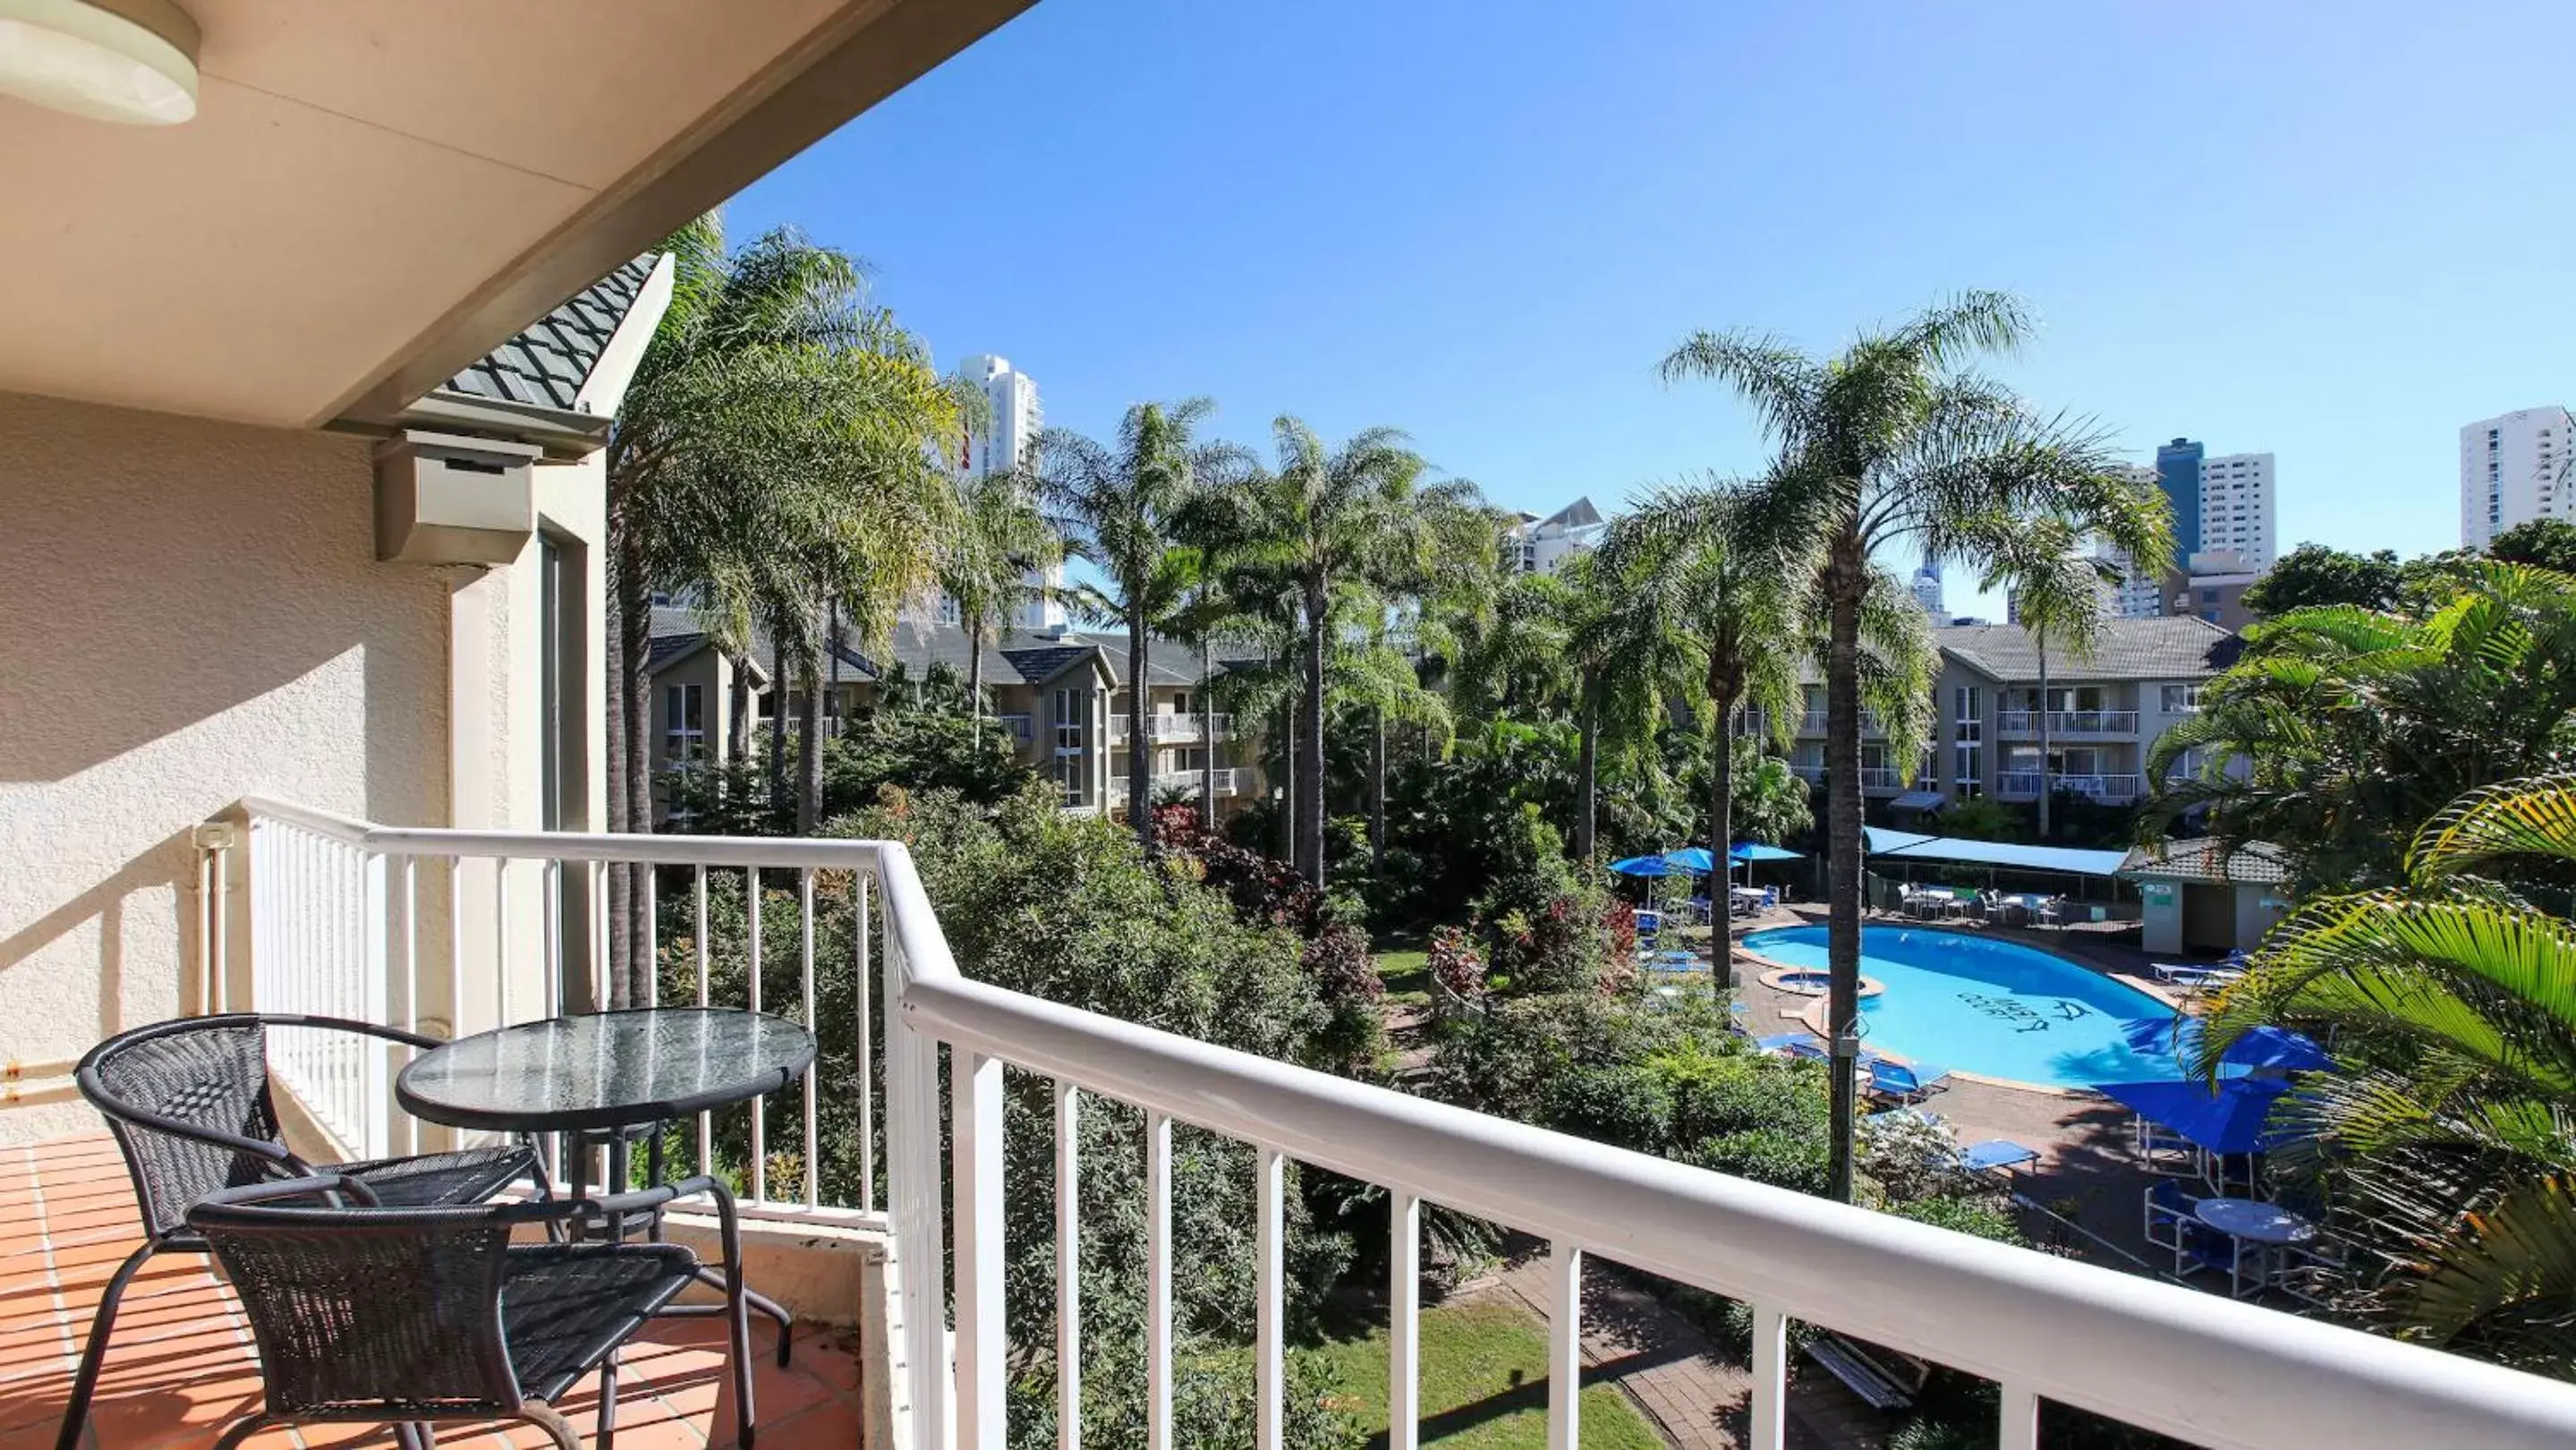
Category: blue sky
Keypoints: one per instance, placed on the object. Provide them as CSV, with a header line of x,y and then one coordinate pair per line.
x,y
2335,232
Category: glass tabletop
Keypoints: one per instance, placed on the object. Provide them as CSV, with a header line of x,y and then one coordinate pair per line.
x,y
608,1070
2251,1219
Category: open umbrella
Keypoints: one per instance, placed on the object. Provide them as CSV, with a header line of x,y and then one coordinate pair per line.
x,y
1693,859
2227,1121
1646,866
1756,851
2262,1047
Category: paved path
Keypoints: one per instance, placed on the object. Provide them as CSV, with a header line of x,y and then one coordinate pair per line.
x,y
1692,1392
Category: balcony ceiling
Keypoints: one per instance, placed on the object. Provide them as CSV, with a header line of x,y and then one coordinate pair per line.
x,y
376,192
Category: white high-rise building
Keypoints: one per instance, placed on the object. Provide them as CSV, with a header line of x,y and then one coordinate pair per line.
x,y
2239,509
1927,592
1009,440
1543,545
2513,469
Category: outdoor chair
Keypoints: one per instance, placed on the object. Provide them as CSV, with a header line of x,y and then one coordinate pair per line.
x,y
1997,1155
189,1104
2160,1149
413,1317
2173,1224
1902,1082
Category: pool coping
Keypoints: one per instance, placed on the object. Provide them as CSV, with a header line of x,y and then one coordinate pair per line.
x,y
1812,1016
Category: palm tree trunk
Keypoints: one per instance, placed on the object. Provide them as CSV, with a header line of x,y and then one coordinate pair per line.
x,y
1847,576
738,711
1377,792
630,934
778,722
1721,800
1207,736
975,668
1310,844
1587,772
1288,752
1140,751
809,748
2040,637
832,642
620,683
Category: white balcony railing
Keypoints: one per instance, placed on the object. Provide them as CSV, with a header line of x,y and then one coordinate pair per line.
x,y
1018,726
1174,780
1810,771
1813,723
2107,789
1878,777
2068,722
1168,728
332,899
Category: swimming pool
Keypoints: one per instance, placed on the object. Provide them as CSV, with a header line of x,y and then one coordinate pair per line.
x,y
1994,1008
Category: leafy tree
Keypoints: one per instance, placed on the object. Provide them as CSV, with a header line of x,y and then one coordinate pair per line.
x,y
1122,507
1890,441
2339,729
689,476
1340,531
906,749
2540,543
2449,1117
2057,589
2313,576
1000,537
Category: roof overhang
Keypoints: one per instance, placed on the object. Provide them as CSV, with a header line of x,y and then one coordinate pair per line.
x,y
374,194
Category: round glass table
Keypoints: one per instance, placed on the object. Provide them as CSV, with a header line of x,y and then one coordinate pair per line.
x,y
2268,1230
609,1070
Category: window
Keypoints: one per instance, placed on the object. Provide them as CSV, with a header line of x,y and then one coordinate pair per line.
x,y
684,724
2209,596
1967,734
1068,745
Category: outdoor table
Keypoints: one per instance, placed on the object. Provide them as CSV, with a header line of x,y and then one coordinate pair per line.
x,y
609,1078
2268,1227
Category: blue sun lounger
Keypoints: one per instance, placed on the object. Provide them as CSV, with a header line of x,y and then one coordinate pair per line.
x,y
1997,1155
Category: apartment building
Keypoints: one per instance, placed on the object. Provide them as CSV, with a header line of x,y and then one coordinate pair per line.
x,y
1060,694
2512,470
2104,713
1545,545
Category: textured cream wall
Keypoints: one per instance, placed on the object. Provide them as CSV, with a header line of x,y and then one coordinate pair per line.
x,y
194,614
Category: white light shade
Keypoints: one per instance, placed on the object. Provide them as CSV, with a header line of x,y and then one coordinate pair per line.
x,y
109,60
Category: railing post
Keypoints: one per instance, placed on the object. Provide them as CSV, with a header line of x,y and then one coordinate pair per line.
x,y
375,966
975,1092
1403,1319
1068,1266
1770,1391
912,1197
1565,1347
2020,1428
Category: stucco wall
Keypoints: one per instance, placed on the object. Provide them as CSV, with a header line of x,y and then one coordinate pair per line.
x,y
196,614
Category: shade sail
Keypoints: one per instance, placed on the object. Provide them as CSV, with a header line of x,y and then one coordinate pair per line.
x,y
2228,1121
2260,1047
2066,860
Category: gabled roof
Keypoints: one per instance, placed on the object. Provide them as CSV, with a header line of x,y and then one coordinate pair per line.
x,y
2173,647
547,363
1579,514
2208,859
1039,664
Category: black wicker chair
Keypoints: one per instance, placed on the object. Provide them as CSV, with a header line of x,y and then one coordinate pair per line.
x,y
414,1317
189,1103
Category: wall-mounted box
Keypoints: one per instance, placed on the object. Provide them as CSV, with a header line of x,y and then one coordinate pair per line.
x,y
442,498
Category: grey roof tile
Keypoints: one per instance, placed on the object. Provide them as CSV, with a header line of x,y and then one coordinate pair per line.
x,y
2171,648
546,365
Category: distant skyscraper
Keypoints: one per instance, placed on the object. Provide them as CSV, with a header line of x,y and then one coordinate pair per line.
x,y
2237,510
2137,593
2178,474
1927,590
1008,440
2513,470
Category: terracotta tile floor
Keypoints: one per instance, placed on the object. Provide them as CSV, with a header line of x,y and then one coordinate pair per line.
x,y
182,1367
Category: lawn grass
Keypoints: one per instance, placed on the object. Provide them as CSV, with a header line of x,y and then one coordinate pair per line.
x,y
1484,1384
1407,975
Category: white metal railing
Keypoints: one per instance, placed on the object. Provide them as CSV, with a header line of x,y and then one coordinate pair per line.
x,y
380,924
1016,724
1878,777
1810,771
2068,722
1812,722
1175,727
2201,1367
2108,789
1175,780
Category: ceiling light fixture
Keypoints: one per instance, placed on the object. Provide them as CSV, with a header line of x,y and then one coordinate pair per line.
x,y
133,61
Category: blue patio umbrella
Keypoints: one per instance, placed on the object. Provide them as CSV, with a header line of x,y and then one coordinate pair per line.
x,y
1693,859
2227,1121
2262,1047
1756,851
1646,866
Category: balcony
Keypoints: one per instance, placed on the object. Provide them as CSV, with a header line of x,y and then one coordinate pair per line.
x,y
2068,722
1017,726
1878,777
331,927
1813,723
2102,789
1165,729
1164,780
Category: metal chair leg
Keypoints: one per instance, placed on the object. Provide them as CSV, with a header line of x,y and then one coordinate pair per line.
x,y
94,1354
738,1325
243,1429
543,1416
607,1436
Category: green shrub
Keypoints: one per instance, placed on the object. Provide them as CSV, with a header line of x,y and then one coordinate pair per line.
x,y
1629,1107
1982,1216
1781,1158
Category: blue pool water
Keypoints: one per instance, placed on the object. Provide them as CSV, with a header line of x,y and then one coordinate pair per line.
x,y
1976,1004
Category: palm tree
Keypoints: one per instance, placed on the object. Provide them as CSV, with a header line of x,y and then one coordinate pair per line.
x,y
2339,728
1345,528
677,455
1890,441
2448,1121
2055,589
1000,537
1122,509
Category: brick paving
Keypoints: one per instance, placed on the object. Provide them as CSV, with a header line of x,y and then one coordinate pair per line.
x,y
181,1366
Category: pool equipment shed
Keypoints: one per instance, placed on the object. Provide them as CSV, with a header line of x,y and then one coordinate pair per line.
x,y
2200,896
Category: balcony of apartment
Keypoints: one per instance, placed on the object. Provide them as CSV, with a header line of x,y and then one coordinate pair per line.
x,y
2105,789
1165,729
1812,722
1018,725
309,912
1227,782
2068,723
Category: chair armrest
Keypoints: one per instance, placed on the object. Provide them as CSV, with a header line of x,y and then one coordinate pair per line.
x,y
634,1201
290,1188
346,1024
